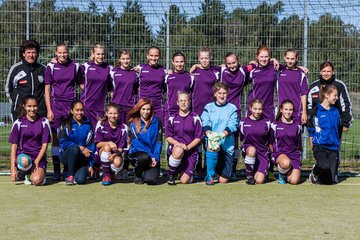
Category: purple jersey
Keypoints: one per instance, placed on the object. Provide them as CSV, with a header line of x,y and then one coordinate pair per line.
x,y
184,129
62,78
105,133
97,83
255,133
151,84
285,138
124,82
29,135
204,80
292,84
263,84
236,81
175,83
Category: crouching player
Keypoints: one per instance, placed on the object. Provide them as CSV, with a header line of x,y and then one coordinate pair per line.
x,y
324,135
29,138
183,133
110,139
255,135
220,121
285,140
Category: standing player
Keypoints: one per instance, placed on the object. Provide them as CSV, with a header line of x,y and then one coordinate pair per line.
x,y
76,144
255,135
125,84
26,77
176,82
145,133
60,80
324,128
110,140
152,81
220,121
183,133
95,75
286,144
292,84
29,138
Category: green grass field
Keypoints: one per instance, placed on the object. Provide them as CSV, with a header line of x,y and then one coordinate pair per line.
x,y
196,211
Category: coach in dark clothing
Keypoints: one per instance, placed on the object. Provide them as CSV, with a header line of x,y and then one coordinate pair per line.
x,y
327,76
26,78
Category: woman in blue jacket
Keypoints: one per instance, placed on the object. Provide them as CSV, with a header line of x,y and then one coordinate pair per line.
x,y
324,135
145,135
76,144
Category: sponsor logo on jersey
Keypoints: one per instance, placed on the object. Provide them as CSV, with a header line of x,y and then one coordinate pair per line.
x,y
105,132
92,69
176,121
255,71
118,74
322,116
247,125
283,74
171,77
280,128
57,68
23,125
145,71
23,81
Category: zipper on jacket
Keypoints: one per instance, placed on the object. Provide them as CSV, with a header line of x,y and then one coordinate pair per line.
x,y
16,99
32,84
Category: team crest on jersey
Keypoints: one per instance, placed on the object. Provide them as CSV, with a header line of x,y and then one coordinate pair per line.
x,y
315,95
41,79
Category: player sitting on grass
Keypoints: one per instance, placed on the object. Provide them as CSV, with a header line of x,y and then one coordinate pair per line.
x,y
110,139
220,121
286,144
183,133
29,138
324,135
76,144
255,134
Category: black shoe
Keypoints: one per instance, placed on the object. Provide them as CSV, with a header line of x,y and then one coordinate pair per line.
x,y
20,176
313,178
171,180
56,176
250,181
138,180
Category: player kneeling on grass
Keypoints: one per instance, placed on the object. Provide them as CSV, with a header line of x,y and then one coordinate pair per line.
x,y
285,140
110,139
29,138
324,135
220,121
255,136
183,133
76,145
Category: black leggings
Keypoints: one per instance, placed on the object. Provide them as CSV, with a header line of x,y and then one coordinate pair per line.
x,y
326,164
141,161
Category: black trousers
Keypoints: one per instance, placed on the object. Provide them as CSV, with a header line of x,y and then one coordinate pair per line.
x,y
326,164
141,161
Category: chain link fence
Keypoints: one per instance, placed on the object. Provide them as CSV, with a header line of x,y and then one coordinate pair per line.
x,y
320,30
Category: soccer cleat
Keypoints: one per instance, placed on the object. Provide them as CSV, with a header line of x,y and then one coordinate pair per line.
x,y
106,181
20,176
70,180
138,180
27,180
281,179
171,180
313,178
271,176
210,181
56,176
250,181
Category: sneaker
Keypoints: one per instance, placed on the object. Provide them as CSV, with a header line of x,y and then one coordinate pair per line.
x,y
56,176
20,176
271,176
171,180
138,180
106,181
250,181
70,180
43,182
233,176
27,180
210,181
281,179
125,174
313,178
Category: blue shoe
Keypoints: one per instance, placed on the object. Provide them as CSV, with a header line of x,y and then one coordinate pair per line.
x,y
106,181
281,179
209,180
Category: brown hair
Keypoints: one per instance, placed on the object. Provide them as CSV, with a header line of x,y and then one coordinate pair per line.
x,y
154,47
134,114
61,45
231,54
107,108
263,48
220,85
279,113
121,52
326,89
327,64
22,106
256,100
205,49
292,50
29,44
